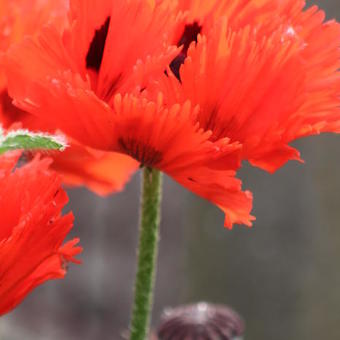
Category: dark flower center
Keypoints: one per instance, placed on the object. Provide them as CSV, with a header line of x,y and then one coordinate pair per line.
x,y
189,35
95,53
146,154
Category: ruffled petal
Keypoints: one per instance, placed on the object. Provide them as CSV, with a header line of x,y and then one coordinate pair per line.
x,y
170,140
32,230
239,13
86,16
139,30
264,89
21,17
145,31
50,88
78,165
24,18
222,189
102,172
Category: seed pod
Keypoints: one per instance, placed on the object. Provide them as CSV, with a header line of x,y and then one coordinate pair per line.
x,y
201,321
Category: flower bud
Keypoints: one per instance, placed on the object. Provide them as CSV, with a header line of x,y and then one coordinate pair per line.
x,y
201,321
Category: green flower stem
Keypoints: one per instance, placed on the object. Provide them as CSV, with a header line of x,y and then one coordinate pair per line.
x,y
147,253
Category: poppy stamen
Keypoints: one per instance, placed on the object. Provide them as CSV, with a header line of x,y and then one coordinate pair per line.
x,y
146,154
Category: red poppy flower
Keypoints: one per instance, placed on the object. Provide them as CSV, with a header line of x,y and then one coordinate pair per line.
x,y
264,76
76,85
102,172
261,80
32,229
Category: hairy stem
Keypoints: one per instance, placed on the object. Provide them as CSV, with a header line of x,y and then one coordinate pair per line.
x,y
147,253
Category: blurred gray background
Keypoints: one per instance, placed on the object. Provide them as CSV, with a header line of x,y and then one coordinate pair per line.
x,y
282,275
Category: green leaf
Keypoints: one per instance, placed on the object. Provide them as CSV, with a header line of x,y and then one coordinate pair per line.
x,y
26,140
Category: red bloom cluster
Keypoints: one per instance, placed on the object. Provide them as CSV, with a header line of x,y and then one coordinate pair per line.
x,y
192,88
32,229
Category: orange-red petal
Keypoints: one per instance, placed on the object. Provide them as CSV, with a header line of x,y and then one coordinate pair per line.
x,y
21,17
221,188
107,38
32,229
102,172
264,89
50,88
170,140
